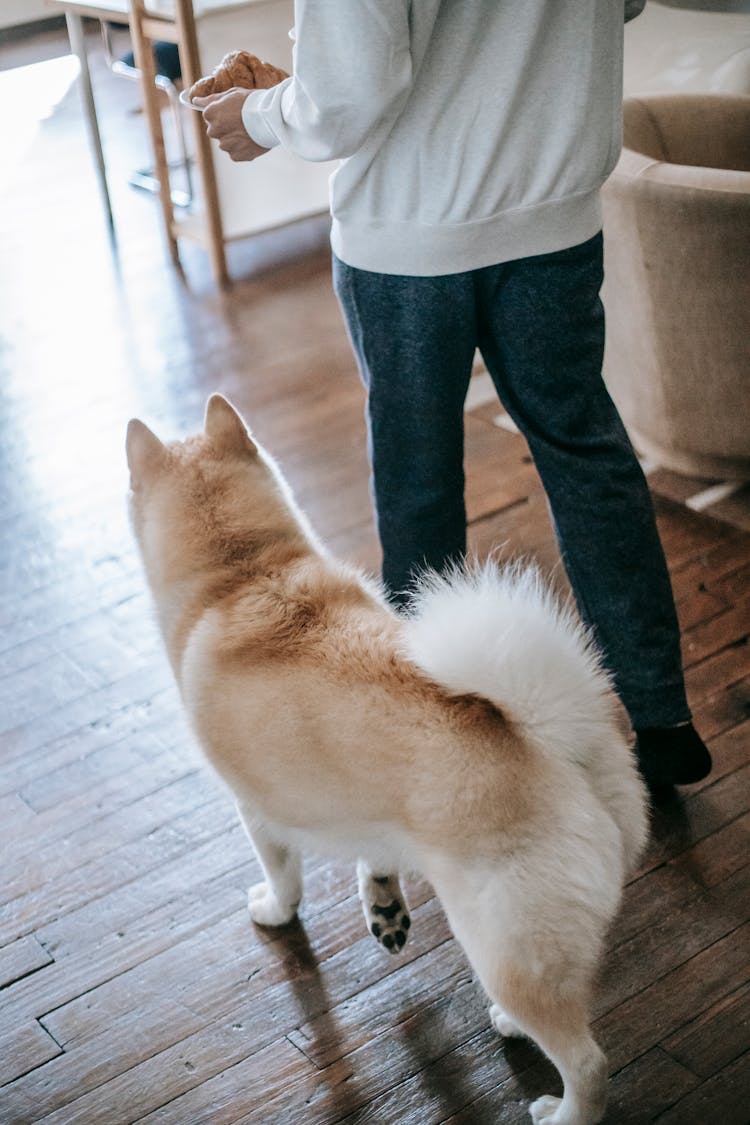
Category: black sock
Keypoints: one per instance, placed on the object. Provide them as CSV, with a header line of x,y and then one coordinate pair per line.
x,y
672,755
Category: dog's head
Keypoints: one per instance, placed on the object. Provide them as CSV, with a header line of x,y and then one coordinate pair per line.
x,y
205,502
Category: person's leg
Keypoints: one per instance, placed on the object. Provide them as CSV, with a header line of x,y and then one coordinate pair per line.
x,y
414,339
541,332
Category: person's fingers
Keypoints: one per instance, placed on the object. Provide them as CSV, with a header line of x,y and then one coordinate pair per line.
x,y
207,100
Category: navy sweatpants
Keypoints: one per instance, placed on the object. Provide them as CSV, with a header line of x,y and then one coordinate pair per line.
x,y
539,325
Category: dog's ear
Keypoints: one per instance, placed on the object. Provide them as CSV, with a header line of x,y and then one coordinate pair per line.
x,y
146,454
226,429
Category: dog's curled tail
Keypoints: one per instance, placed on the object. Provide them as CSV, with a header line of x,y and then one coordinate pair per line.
x,y
501,634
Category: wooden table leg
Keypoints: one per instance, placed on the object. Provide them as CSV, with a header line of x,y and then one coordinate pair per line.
x,y
144,60
78,46
191,71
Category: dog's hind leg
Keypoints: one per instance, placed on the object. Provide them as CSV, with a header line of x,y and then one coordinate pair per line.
x,y
384,907
558,1021
539,980
273,902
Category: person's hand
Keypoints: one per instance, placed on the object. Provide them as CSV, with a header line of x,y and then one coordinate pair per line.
x,y
222,114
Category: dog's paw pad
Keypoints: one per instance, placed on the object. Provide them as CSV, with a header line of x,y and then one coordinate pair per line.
x,y
545,1111
503,1023
265,908
392,940
385,912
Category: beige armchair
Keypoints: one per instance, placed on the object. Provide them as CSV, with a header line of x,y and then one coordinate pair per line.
x,y
677,285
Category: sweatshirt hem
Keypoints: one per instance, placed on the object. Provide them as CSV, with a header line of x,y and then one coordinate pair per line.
x,y
415,250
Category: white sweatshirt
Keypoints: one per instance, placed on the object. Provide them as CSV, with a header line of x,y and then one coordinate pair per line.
x,y
470,132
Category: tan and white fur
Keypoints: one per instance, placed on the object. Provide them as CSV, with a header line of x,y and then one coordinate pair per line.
x,y
476,741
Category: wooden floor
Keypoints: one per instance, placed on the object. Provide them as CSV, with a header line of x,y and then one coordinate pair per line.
x,y
134,987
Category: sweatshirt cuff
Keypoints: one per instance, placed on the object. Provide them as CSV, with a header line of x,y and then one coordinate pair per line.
x,y
254,119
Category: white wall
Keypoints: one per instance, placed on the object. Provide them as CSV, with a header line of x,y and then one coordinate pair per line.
x,y
23,11
672,49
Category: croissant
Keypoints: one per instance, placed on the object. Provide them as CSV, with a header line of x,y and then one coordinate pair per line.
x,y
238,68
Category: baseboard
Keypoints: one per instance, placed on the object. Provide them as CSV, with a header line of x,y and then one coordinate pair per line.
x,y
27,30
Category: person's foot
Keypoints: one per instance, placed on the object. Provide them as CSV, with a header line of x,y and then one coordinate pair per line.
x,y
669,756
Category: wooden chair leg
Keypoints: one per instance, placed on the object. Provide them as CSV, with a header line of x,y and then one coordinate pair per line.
x,y
190,64
144,59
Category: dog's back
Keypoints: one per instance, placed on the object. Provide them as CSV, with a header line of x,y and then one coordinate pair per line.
x,y
298,677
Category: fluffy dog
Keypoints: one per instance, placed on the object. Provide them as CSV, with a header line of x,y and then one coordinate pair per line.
x,y
503,774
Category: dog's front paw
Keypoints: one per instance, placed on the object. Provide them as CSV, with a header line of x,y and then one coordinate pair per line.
x,y
546,1111
503,1023
266,909
385,910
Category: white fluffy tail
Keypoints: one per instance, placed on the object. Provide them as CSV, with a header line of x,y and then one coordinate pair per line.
x,y
501,634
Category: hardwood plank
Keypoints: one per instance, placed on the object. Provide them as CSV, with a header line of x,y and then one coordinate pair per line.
x,y
222,1099
650,896
380,1005
154,719
671,1001
720,855
20,959
120,872
687,535
717,672
699,607
727,708
255,978
723,1097
730,749
15,815
637,1094
498,473
243,969
69,1076
22,1049
732,586
731,627
150,1085
645,1087
680,826
63,680
217,1045
50,793
718,1036
396,1057
671,942
712,566
90,859
111,1024
87,709
101,940
346,1084
441,1089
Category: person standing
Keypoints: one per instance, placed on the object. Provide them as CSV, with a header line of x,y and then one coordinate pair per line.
x,y
474,138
